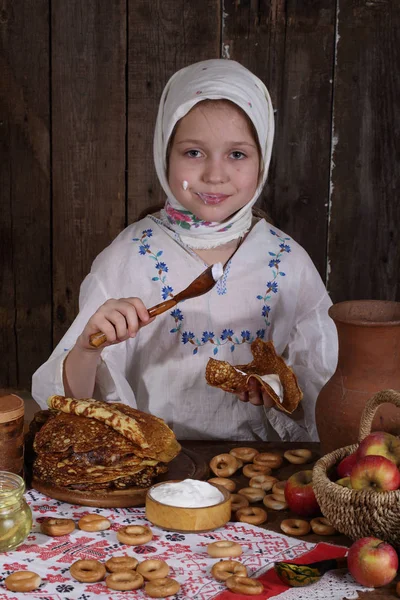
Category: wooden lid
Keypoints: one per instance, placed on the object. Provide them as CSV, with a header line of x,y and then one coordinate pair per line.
x,y
11,408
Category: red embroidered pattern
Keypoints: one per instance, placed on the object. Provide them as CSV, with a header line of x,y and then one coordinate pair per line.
x,y
186,554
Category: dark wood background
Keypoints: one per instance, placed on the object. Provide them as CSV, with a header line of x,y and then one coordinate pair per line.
x,y
79,89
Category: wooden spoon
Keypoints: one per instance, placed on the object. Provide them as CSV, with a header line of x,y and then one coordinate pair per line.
x,y
201,285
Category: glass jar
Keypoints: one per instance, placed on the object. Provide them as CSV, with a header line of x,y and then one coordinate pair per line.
x,y
15,514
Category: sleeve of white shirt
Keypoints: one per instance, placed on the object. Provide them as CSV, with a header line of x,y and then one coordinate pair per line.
x,y
48,379
311,352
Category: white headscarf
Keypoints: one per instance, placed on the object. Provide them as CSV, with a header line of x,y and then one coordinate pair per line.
x,y
213,79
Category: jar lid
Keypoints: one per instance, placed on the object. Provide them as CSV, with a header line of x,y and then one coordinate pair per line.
x,y
11,408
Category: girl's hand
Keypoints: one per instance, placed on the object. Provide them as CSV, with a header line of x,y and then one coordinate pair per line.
x,y
256,395
119,320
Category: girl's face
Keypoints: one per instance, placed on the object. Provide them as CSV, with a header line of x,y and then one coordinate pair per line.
x,y
214,150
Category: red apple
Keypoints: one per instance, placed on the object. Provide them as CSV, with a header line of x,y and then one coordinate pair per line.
x,y
299,494
381,443
345,466
375,472
372,562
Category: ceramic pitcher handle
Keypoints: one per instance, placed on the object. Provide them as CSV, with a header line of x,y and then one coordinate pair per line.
x,y
372,405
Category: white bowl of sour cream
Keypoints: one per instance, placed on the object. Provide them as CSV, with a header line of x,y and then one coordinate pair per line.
x,y
188,505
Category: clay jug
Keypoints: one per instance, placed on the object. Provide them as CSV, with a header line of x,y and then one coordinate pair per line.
x,y
369,361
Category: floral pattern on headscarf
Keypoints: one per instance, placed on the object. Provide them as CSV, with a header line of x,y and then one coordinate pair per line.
x,y
187,220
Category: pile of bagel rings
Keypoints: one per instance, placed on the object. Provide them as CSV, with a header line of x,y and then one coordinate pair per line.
x,y
258,467
125,573
232,572
121,573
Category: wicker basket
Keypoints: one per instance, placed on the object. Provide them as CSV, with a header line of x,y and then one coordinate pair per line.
x,y
359,513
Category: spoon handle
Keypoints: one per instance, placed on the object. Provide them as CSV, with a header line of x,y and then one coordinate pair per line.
x,y
158,309
99,338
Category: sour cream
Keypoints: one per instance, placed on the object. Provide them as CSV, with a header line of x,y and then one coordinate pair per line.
x,y
273,381
188,493
217,271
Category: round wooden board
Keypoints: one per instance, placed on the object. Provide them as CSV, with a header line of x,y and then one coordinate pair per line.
x,y
186,465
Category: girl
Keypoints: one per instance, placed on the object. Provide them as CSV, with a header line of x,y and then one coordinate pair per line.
x,y
212,149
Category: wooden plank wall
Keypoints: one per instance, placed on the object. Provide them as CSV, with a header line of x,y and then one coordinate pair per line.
x,y
79,90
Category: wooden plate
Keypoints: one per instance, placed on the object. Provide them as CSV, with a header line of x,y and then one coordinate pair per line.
x,y
186,465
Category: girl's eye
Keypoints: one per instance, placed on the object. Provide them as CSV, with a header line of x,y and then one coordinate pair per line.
x,y
193,153
237,155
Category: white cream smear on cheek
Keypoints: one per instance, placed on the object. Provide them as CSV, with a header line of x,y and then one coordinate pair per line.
x,y
185,185
188,493
273,381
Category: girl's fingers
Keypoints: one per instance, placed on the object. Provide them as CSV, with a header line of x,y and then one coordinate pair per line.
x,y
255,396
267,400
102,324
119,320
140,309
243,397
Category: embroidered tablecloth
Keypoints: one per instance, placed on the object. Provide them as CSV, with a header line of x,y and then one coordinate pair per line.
x,y
186,555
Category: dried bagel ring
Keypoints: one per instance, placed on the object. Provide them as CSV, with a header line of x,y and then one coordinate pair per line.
x,y
224,465
87,571
279,488
134,535
244,453
321,526
224,549
295,527
299,456
273,460
93,522
124,581
238,501
121,563
162,588
252,514
265,482
226,568
56,527
252,494
252,470
228,484
239,462
22,581
275,502
153,569
244,585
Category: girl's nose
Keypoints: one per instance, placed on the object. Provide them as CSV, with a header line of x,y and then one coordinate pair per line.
x,y
215,171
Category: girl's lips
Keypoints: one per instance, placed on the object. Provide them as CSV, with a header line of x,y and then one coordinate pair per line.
x,y
212,198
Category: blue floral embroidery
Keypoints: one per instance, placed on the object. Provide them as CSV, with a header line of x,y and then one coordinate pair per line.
x,y
166,291
161,267
177,315
221,283
272,286
227,336
187,336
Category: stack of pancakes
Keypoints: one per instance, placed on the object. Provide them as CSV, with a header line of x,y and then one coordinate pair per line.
x,y
91,445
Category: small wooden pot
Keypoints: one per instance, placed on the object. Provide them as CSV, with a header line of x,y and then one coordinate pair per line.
x,y
178,518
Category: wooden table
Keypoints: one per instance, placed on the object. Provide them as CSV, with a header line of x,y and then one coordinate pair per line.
x,y
207,449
